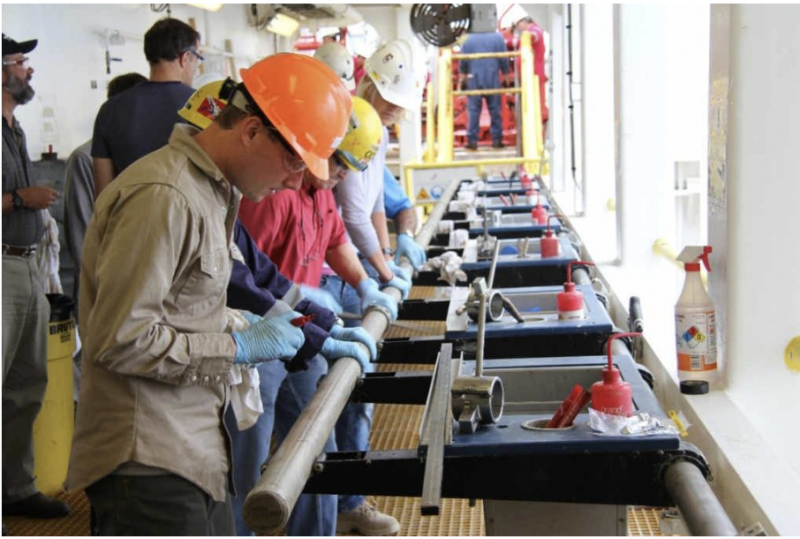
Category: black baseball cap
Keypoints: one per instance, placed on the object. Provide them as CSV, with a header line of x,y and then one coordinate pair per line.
x,y
13,47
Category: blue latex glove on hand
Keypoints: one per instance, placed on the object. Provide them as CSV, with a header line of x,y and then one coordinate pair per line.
x,y
267,339
250,317
321,297
370,295
403,286
355,335
407,247
333,349
399,272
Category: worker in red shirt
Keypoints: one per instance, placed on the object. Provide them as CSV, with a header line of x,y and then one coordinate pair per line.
x,y
300,233
303,231
527,24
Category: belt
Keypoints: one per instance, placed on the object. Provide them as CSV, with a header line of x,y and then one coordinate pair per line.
x,y
24,252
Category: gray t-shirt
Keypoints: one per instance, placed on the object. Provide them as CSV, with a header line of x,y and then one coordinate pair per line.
x,y
78,204
359,196
22,227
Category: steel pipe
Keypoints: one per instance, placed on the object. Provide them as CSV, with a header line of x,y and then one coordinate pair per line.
x,y
428,230
700,508
268,506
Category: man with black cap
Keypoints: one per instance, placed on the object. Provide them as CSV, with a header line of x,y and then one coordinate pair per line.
x,y
25,307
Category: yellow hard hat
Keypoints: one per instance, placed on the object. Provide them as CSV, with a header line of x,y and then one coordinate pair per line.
x,y
206,103
363,137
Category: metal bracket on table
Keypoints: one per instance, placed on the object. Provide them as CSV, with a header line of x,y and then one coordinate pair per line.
x,y
436,431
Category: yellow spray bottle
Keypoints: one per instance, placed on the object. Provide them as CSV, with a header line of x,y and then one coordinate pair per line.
x,y
695,325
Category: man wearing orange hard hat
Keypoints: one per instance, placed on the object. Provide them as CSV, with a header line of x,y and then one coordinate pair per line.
x,y
149,447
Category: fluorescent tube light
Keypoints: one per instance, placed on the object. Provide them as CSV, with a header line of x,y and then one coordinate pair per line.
x,y
283,25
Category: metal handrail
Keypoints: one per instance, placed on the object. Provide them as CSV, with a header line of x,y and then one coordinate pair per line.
x,y
482,55
442,154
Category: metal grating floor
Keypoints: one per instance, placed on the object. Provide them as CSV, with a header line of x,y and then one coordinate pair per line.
x,y
76,524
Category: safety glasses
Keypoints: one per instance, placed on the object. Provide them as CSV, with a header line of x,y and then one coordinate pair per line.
x,y
22,62
197,55
292,162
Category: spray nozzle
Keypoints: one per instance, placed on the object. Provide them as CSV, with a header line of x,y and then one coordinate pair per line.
x,y
693,254
619,336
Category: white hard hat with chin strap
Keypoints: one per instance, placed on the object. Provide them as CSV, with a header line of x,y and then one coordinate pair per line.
x,y
392,69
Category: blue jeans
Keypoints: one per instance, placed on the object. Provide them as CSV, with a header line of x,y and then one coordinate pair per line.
x,y
284,396
474,106
355,423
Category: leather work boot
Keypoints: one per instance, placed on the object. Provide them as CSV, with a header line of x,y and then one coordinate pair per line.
x,y
367,520
37,506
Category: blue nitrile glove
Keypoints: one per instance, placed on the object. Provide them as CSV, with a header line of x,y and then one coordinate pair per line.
x,y
268,338
321,297
370,295
250,317
407,247
399,272
355,335
403,286
334,349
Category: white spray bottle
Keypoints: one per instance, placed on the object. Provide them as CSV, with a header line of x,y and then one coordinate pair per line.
x,y
696,323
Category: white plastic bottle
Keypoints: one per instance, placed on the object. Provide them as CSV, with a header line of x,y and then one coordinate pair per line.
x,y
696,321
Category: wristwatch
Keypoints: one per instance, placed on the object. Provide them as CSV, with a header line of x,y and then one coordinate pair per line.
x,y
16,200
388,251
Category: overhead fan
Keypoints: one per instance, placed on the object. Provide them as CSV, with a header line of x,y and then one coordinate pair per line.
x,y
440,24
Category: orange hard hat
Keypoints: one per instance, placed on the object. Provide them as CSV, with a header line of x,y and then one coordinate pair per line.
x,y
305,101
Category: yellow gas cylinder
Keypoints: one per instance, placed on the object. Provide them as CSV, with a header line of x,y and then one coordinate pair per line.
x,y
52,430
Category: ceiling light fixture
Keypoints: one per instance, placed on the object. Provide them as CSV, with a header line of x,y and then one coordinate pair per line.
x,y
208,6
283,25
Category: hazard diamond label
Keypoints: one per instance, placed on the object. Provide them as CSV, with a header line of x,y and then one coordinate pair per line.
x,y
693,337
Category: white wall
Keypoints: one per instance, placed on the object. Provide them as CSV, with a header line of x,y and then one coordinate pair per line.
x,y
71,54
383,18
763,295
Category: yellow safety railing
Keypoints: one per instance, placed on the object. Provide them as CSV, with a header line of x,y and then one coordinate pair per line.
x,y
441,155
430,128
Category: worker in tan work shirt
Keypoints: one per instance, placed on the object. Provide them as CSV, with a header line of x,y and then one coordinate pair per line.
x,y
150,447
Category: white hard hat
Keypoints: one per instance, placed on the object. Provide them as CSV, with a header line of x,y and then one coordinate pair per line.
x,y
338,58
393,70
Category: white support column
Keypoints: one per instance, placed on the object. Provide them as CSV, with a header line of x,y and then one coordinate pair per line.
x,y
558,114
643,171
597,117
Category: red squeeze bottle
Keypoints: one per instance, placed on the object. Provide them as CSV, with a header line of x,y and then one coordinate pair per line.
x,y
538,213
549,243
570,301
611,395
